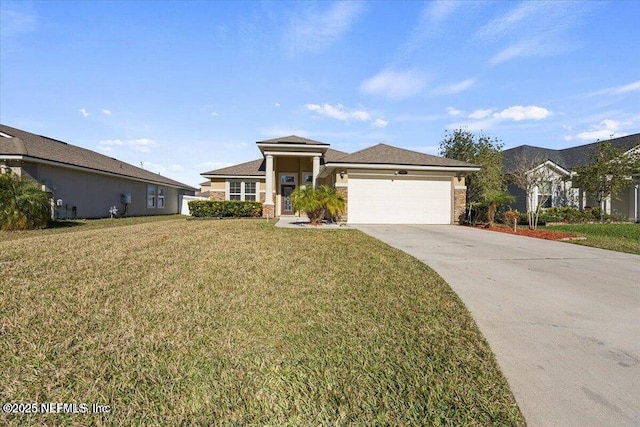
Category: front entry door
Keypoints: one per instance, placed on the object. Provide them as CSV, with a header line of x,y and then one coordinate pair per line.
x,y
285,194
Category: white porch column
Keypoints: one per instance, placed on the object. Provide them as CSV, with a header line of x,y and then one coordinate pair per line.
x,y
316,169
268,195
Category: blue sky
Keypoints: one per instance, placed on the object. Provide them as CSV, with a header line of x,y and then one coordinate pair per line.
x,y
186,87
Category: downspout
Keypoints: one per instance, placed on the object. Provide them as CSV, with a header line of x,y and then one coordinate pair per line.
x,y
635,203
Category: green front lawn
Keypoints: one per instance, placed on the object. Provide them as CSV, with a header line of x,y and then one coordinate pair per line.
x,y
622,237
237,322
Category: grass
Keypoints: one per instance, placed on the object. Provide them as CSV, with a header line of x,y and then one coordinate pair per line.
x,y
238,323
621,237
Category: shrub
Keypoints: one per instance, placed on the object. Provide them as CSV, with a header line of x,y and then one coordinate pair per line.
x,y
225,209
316,201
511,218
23,205
570,215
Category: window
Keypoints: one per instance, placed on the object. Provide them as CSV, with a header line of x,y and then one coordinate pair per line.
x,y
151,196
160,198
307,178
544,194
155,197
235,190
242,190
288,179
249,191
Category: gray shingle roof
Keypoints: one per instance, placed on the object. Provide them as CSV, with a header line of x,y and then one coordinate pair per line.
x,y
41,147
567,158
386,154
257,167
292,139
252,168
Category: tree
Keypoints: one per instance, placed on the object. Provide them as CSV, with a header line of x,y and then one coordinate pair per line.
x,y
529,174
315,202
608,173
23,205
495,200
481,150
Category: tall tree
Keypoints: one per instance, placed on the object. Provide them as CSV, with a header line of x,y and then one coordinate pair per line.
x,y
608,172
481,150
529,174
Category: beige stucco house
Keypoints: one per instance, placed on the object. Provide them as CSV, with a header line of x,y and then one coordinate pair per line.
x,y
86,184
382,184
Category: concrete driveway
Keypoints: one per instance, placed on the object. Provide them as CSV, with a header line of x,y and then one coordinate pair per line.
x,y
562,319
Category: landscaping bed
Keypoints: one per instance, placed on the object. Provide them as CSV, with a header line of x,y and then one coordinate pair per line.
x,y
540,233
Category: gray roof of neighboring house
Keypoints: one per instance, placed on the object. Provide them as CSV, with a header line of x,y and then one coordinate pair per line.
x,y
257,167
292,139
568,158
386,154
43,148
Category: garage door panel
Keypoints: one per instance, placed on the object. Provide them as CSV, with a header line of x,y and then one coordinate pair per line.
x,y
399,201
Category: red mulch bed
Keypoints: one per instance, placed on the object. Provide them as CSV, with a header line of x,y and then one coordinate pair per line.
x,y
539,233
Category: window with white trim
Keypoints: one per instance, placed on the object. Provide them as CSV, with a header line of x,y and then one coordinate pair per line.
x,y
545,194
235,190
250,191
160,201
307,178
151,196
155,197
243,190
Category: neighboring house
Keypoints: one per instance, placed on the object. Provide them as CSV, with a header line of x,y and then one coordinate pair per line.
x,y
382,184
86,184
560,168
204,189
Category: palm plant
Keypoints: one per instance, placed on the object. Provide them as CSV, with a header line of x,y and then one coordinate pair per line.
x,y
316,202
23,205
494,200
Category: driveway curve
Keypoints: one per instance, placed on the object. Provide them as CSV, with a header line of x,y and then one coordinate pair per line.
x,y
563,320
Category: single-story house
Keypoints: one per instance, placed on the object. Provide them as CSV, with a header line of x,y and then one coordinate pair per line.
x,y
381,184
86,184
560,168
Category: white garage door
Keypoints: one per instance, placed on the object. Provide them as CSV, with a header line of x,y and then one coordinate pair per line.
x,y
399,200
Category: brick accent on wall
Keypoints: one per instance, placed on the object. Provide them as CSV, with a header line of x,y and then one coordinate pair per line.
x,y
268,211
345,193
216,195
262,197
459,205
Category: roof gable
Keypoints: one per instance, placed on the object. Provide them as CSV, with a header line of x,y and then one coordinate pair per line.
x,y
387,154
44,148
292,139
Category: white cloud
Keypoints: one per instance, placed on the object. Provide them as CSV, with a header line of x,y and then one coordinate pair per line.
x,y
215,113
339,112
106,112
316,30
455,87
277,104
84,112
140,145
480,114
453,111
510,21
394,84
604,130
525,48
380,123
519,112
631,87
